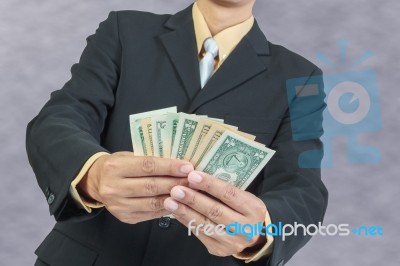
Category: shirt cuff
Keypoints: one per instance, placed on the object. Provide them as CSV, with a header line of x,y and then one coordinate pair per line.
x,y
80,201
254,255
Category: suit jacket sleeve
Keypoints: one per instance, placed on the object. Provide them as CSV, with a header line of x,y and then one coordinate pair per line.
x,y
291,193
67,131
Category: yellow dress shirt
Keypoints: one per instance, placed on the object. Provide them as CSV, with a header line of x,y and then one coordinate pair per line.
x,y
82,203
227,40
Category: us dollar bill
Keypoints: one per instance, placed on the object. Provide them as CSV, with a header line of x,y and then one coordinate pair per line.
x,y
159,126
218,120
172,124
235,159
148,136
163,127
137,137
214,133
184,132
138,141
201,132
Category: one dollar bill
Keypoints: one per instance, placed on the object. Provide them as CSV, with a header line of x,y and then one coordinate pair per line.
x,y
184,133
235,159
137,133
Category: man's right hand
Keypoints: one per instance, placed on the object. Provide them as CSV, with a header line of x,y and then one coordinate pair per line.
x,y
133,188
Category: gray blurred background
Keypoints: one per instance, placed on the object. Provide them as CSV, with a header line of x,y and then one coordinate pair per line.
x,y
40,40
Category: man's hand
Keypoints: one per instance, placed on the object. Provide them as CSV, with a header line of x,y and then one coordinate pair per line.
x,y
133,188
229,205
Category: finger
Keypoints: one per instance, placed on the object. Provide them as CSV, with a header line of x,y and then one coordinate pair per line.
x,y
129,205
201,227
214,210
148,186
239,200
186,215
134,166
195,221
190,218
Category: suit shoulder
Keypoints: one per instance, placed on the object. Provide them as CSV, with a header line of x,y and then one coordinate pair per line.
x,y
143,17
292,61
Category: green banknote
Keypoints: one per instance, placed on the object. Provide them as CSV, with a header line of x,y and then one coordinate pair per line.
x,y
184,132
137,133
235,159
199,134
161,136
170,132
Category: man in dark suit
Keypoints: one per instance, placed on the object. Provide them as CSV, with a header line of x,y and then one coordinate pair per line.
x,y
110,205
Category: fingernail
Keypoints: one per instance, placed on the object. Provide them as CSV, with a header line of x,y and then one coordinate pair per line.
x,y
178,193
186,169
171,205
195,178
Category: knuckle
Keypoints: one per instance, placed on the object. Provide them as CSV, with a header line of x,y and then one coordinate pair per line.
x,y
151,187
156,204
110,164
148,164
209,183
260,207
215,212
171,168
192,199
229,192
106,192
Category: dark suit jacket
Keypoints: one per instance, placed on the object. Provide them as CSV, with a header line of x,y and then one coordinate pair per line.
x,y
137,62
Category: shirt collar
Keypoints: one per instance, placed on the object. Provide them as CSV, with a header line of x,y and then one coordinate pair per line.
x,y
227,39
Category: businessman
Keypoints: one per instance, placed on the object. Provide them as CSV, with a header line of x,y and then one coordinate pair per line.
x,y
112,207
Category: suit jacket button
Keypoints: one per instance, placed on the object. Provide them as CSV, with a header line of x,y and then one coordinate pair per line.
x,y
47,193
164,222
51,199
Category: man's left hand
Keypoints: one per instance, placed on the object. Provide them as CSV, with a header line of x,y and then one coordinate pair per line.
x,y
227,205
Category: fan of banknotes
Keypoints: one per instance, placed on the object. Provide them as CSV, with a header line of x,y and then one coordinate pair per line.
x,y
210,145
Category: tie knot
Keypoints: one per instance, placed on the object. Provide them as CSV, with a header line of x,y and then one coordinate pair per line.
x,y
211,46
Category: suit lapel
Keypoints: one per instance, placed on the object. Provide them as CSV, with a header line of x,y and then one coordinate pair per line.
x,y
180,44
245,62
